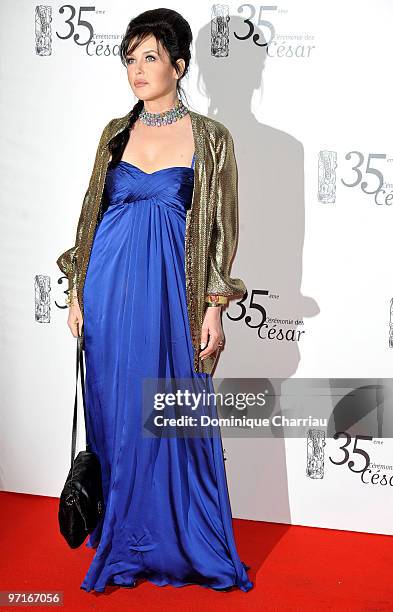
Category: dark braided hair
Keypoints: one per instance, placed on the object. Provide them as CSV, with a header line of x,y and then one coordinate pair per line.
x,y
173,32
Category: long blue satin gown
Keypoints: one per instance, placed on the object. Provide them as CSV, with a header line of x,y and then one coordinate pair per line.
x,y
167,514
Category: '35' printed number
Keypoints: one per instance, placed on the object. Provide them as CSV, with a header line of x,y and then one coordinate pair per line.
x,y
81,22
261,318
355,450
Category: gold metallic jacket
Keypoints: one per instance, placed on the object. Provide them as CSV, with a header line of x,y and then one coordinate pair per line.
x,y
211,223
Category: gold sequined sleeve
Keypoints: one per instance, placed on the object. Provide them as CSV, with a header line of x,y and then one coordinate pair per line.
x,y
225,227
67,261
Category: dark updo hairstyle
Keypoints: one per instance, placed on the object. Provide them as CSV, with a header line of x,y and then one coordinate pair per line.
x,y
173,32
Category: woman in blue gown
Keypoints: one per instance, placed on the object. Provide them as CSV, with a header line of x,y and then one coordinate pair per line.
x,y
167,515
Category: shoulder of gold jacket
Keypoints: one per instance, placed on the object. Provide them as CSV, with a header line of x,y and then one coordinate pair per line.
x,y
211,225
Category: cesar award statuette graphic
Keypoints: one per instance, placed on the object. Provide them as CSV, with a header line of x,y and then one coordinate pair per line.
x,y
43,30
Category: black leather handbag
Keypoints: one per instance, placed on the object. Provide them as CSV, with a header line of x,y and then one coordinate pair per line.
x,y
81,501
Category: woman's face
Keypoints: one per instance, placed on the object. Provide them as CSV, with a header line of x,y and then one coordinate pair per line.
x,y
150,73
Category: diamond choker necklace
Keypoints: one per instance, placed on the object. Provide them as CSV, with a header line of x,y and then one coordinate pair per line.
x,y
169,116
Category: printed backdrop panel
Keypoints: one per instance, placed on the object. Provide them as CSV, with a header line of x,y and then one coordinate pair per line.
x,y
304,89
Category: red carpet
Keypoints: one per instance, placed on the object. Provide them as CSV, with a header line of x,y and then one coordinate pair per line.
x,y
293,568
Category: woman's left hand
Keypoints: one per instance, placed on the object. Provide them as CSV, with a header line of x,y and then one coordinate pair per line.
x,y
212,333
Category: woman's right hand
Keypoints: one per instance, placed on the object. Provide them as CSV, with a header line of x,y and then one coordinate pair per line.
x,y
75,319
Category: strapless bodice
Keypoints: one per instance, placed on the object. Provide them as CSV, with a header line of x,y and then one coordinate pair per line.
x,y
171,187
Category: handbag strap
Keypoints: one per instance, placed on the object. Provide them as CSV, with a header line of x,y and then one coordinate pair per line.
x,y
79,365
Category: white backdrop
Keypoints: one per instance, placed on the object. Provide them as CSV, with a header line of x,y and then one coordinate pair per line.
x,y
310,235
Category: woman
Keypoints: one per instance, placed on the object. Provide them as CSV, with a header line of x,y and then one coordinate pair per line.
x,y
147,277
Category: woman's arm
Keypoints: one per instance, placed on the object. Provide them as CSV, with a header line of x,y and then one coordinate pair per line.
x,y
67,261
220,286
225,228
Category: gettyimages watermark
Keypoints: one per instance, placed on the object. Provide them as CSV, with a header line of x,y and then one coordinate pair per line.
x,y
258,407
